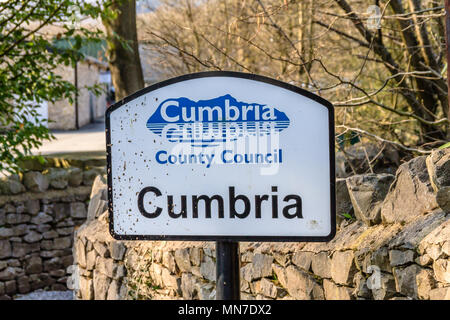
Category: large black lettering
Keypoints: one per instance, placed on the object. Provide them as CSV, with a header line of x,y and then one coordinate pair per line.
x,y
170,206
258,201
208,203
297,206
141,202
233,199
274,203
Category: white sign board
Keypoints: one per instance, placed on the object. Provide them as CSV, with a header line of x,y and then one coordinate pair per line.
x,y
221,155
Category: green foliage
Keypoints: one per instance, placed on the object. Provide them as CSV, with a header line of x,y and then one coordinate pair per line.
x,y
347,216
274,276
447,145
28,59
41,160
154,287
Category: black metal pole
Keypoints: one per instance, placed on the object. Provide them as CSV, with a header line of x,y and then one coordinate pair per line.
x,y
227,270
77,122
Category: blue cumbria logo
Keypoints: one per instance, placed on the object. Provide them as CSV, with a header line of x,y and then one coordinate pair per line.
x,y
207,123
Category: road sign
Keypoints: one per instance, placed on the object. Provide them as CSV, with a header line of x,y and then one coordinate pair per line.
x,y
221,156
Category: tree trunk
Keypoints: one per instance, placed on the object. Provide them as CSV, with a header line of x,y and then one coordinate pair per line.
x,y
123,50
447,47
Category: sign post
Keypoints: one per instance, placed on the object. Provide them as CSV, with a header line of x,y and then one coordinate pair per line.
x,y
227,270
225,157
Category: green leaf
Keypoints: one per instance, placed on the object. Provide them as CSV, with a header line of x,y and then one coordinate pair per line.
x,y
41,160
347,216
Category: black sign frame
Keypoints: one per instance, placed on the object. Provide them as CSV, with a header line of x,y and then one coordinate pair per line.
x,y
231,74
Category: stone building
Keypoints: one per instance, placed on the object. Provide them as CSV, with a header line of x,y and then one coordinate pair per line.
x,y
91,69
87,107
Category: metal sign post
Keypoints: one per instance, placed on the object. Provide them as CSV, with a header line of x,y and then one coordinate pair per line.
x,y
227,270
225,157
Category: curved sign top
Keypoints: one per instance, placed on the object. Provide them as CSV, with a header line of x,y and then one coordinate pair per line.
x,y
221,156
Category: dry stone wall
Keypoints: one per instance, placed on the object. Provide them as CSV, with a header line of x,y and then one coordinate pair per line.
x,y
39,211
393,242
